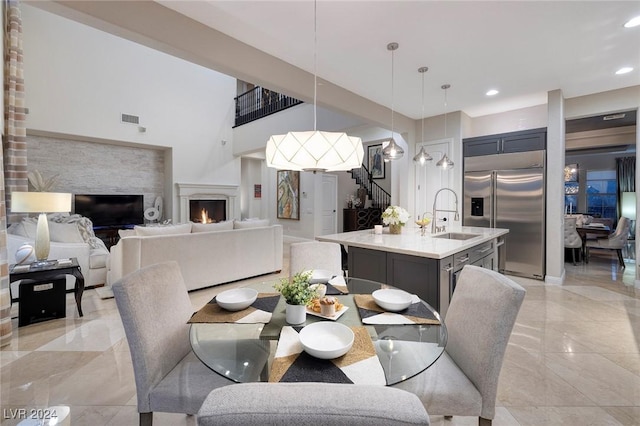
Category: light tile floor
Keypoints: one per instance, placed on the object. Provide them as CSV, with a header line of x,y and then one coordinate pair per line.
x,y
573,357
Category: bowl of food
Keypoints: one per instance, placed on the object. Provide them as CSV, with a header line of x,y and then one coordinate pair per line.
x,y
236,299
326,340
392,300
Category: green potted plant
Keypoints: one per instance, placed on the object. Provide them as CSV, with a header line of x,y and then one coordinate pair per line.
x,y
297,294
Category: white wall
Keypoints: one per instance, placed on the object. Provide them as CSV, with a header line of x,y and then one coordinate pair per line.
x,y
79,80
509,121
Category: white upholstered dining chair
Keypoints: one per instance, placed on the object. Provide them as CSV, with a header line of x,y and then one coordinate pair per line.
x,y
310,255
311,404
572,239
480,318
615,241
155,307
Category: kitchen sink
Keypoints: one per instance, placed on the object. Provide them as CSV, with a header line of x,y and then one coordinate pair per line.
x,y
456,236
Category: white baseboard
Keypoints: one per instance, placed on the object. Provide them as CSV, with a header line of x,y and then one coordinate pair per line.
x,y
550,279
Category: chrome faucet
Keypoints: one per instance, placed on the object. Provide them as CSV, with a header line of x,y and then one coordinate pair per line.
x,y
442,228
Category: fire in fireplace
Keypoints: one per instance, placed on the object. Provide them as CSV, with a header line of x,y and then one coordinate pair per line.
x,y
207,211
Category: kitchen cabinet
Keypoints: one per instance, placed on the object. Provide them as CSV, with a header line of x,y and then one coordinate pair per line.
x,y
359,219
425,265
414,274
433,280
521,141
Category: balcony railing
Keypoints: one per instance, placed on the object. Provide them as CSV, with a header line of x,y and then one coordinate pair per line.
x,y
260,102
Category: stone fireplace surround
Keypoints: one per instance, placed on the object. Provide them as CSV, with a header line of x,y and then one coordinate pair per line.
x,y
200,191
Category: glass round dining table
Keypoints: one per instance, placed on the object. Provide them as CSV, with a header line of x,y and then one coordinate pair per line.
x,y
244,352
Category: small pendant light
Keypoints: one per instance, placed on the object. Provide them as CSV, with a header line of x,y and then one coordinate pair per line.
x,y
392,151
445,163
422,156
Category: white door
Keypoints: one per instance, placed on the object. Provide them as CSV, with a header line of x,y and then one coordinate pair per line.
x,y
429,179
329,204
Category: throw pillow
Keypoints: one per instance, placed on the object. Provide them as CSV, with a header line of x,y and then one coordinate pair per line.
x,y
244,224
209,227
84,224
17,229
30,226
144,231
65,233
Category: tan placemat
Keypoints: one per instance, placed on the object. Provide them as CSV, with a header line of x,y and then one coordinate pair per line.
x,y
359,365
371,313
259,312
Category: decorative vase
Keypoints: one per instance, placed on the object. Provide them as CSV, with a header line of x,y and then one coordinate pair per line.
x,y
25,254
395,228
296,314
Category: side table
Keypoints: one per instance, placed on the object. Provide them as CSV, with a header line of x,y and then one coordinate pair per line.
x,y
51,271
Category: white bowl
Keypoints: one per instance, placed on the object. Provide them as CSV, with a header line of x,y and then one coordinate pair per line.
x,y
236,299
320,276
392,299
326,340
320,289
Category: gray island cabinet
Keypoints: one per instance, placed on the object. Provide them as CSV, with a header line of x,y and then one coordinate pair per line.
x,y
424,265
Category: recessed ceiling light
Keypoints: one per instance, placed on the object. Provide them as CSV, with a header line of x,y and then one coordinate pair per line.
x,y
624,70
492,92
633,22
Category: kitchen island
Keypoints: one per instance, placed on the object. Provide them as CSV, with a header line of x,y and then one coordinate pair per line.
x,y
425,265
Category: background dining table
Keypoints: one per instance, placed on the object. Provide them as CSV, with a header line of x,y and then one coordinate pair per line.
x,y
598,230
245,352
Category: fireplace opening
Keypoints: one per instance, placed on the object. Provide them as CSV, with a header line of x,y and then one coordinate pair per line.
x,y
207,211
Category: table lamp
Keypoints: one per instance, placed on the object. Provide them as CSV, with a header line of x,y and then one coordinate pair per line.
x,y
42,203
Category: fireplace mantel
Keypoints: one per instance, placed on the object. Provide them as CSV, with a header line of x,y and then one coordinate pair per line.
x,y
201,191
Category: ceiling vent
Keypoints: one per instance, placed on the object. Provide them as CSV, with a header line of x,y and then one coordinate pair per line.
x,y
131,119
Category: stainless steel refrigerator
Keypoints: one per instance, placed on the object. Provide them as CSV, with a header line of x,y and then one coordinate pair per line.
x,y
508,191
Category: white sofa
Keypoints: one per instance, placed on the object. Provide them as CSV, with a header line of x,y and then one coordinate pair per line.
x,y
71,236
231,251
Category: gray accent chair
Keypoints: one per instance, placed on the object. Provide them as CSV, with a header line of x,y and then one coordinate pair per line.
x,y
155,307
312,404
315,255
480,318
572,239
615,241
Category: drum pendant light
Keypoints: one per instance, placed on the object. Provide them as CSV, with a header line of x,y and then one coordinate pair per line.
x,y
422,156
392,151
445,163
314,150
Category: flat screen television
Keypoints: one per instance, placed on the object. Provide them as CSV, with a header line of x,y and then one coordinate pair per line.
x,y
110,210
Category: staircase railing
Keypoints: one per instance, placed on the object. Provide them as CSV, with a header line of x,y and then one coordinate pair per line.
x,y
378,196
260,102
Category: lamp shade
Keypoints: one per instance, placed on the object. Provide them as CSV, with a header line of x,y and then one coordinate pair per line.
x,y
628,205
314,151
445,163
392,151
422,157
40,202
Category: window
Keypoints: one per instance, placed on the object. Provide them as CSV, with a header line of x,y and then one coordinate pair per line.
x,y
602,193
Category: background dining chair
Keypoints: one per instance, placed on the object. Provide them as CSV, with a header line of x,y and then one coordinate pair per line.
x,y
616,241
311,404
155,307
572,239
315,255
480,318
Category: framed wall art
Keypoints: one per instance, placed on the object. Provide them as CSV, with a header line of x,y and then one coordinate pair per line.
x,y
375,161
288,201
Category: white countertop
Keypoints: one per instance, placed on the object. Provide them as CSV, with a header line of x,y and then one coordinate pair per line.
x,y
411,242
